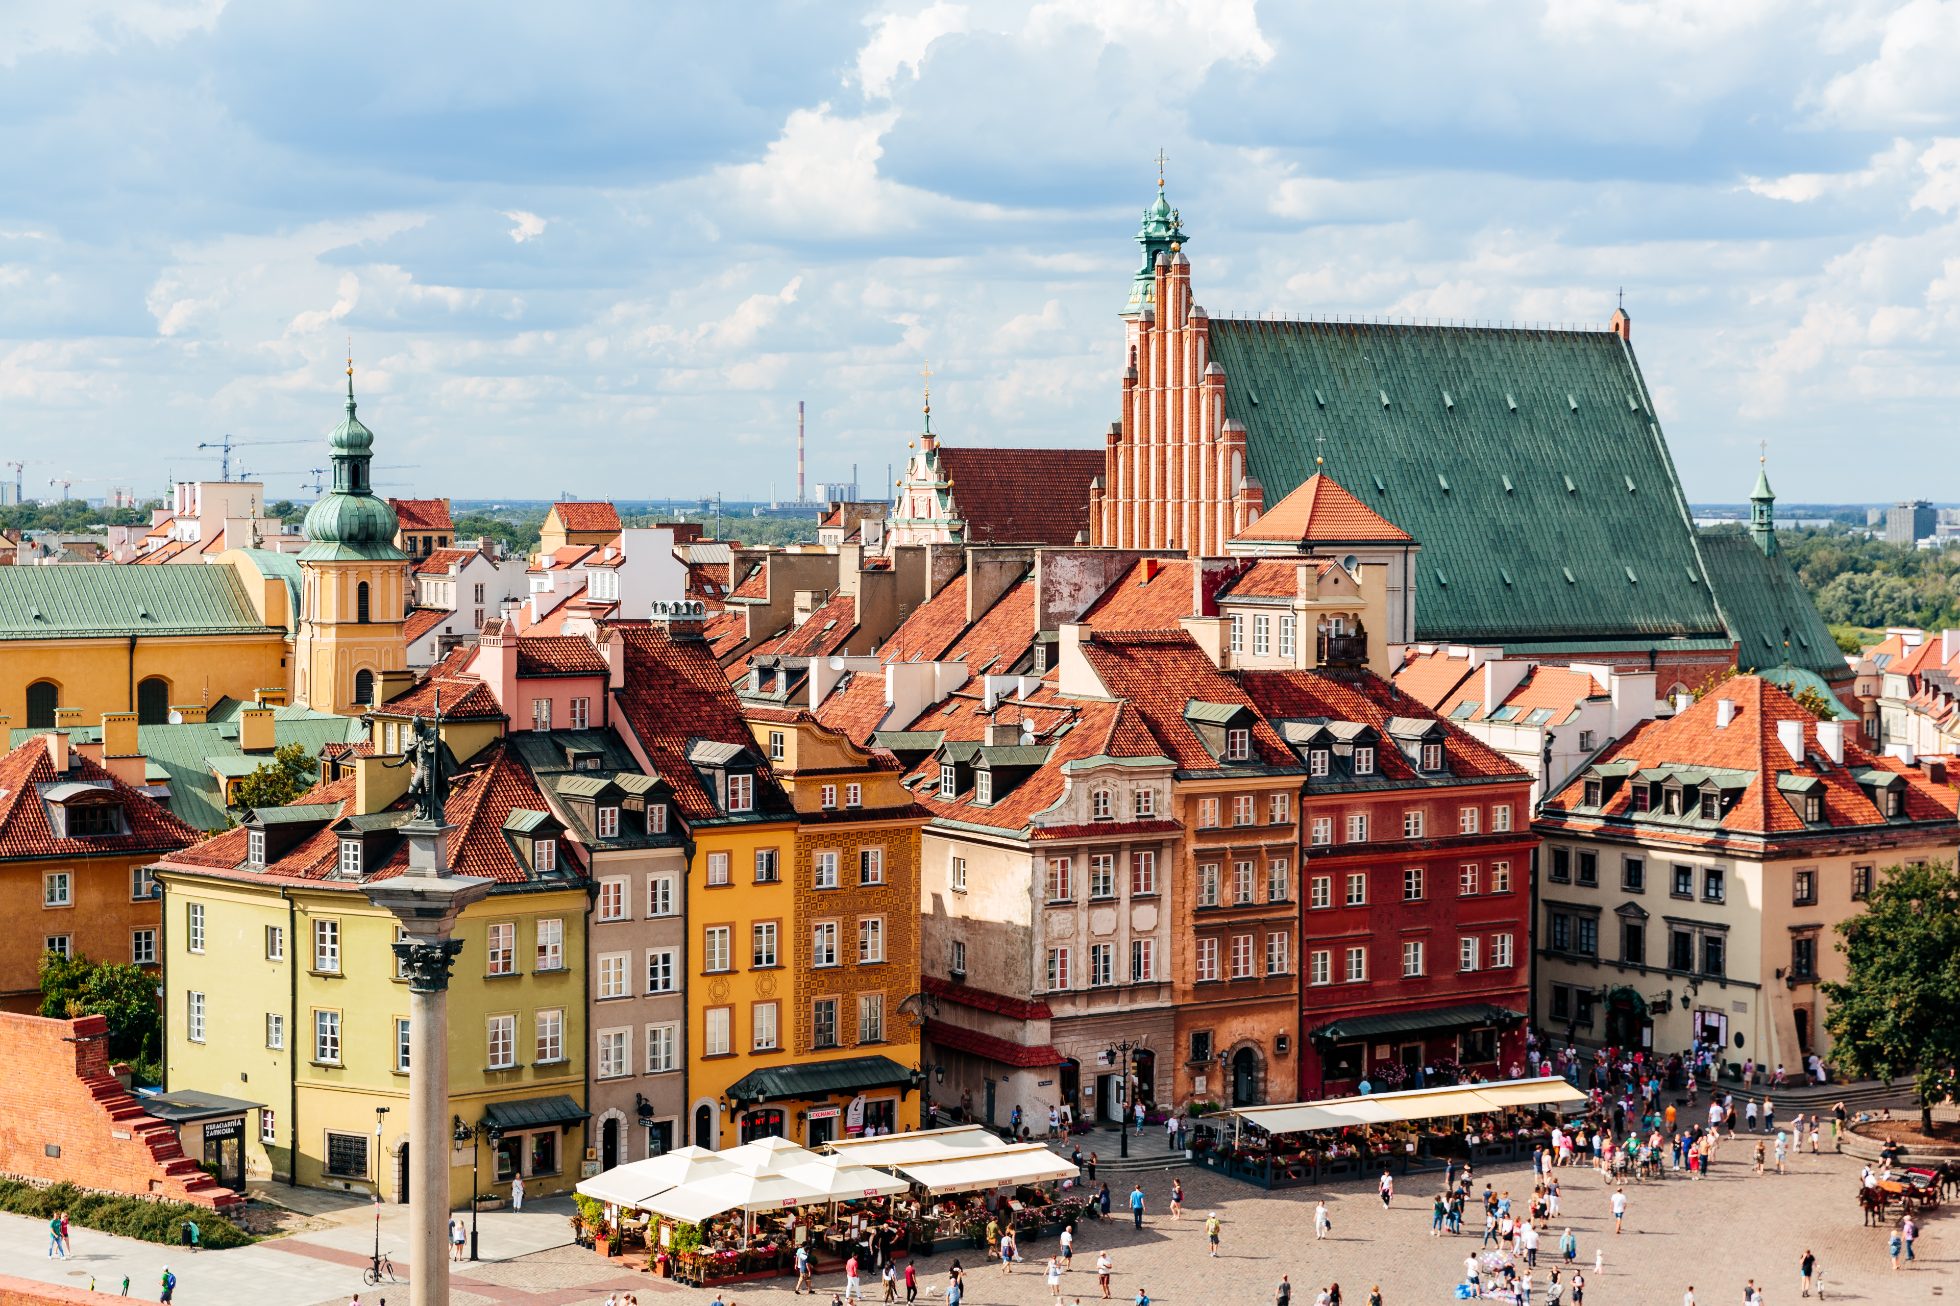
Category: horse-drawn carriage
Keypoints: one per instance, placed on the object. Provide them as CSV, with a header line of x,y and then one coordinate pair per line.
x,y
1915,1190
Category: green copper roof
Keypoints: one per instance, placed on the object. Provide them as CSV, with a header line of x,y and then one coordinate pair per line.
x,y
1526,463
350,523
1158,234
283,566
1772,618
102,601
190,757
1762,490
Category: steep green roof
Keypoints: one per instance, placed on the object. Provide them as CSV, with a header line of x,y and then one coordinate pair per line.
x,y
1767,608
190,757
1527,464
283,566
106,601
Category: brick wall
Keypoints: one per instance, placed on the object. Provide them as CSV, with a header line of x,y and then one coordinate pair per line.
x,y
21,1292
70,1121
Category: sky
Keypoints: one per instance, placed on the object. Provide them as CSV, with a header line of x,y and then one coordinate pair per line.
x,y
603,248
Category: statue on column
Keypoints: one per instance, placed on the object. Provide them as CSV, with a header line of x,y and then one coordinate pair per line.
x,y
427,784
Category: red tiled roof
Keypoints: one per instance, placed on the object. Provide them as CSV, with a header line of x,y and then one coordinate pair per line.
x,y
461,698
440,561
1106,829
1559,690
1321,510
754,585
564,558
856,706
1367,699
932,626
826,631
422,514
1021,496
1002,635
1000,1004
1272,578
1159,674
676,694
558,655
1429,678
1152,595
1751,742
25,828
1006,1052
725,631
587,516
420,621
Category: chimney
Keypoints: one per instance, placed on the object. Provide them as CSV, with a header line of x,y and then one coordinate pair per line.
x,y
391,685
191,714
57,743
68,718
376,786
270,696
612,646
1724,712
1002,733
1830,738
1949,645
119,735
1935,769
255,730
1620,324
1790,735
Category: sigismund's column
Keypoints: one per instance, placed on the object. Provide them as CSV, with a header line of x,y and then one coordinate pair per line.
x,y
426,900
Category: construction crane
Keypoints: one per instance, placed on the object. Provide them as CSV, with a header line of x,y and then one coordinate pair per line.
x,y
319,485
226,445
64,482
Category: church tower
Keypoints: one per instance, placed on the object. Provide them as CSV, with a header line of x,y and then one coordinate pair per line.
x,y
354,582
1762,511
923,511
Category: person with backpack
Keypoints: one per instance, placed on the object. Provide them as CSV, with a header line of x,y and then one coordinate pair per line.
x,y
168,1285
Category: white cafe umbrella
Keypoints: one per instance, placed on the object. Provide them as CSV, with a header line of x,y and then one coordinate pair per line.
x,y
631,1184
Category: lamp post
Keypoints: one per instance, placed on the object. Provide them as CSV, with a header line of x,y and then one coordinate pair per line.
x,y
380,1113
644,1110
463,1133
1120,1053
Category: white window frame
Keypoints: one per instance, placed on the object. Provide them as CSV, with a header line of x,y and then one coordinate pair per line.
x,y
1321,892
615,1053
1500,818
326,1036
500,948
823,945
716,959
1207,968
58,889
326,945
611,904
660,896
1356,965
500,1040
1412,821
1278,952
956,874
611,982
1413,961
662,970
823,865
663,1047
871,866
1320,966
551,945
1469,952
194,1014
609,822
1468,820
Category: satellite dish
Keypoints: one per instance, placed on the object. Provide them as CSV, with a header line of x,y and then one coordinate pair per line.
x,y
836,664
176,717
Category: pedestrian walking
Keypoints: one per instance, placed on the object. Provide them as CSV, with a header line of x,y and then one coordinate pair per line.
x,y
852,1292
1103,1268
1437,1211
1909,1231
1009,1253
911,1282
1136,1204
456,1238
1554,1291
1806,1268
1139,1117
1619,1209
1322,1226
1177,1199
1782,1149
1068,1247
1102,1197
890,1277
517,1192
803,1283
167,1286
1283,1293
1769,1116
1211,1234
1054,1121
1092,1168
54,1238
67,1245
1579,1282
1387,1187
1749,1114
193,1236
1055,1278
1568,1247
1893,1247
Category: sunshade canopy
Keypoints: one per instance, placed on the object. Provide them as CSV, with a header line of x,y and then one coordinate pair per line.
x,y
732,1191
632,1184
1026,1164
923,1145
1415,1104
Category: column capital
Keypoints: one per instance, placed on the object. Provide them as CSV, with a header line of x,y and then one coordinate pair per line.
x,y
426,962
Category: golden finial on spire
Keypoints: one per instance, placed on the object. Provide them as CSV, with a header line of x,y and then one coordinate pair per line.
x,y
925,370
1762,455
1162,159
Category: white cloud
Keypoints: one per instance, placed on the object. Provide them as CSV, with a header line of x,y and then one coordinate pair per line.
x,y
1909,81
1892,164
30,27
524,226
899,42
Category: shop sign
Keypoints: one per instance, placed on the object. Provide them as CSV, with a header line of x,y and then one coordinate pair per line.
x,y
232,1128
825,1113
1043,1083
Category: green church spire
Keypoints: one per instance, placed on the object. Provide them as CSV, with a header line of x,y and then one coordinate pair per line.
x,y
350,522
1160,233
1762,508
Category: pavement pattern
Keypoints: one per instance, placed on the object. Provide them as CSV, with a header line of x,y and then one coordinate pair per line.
x,y
1713,1234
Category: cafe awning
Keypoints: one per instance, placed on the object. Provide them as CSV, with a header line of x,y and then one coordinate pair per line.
x,y
533,1113
188,1106
732,1191
816,1079
1415,1104
1366,1028
632,1184
922,1145
843,1182
1028,1163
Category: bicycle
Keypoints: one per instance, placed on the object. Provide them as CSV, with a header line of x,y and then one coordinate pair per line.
x,y
374,1274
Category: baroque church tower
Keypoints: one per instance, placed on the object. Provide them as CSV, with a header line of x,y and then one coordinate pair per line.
x,y
354,582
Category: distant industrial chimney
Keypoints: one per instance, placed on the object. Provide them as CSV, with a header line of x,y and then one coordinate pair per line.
x,y
801,497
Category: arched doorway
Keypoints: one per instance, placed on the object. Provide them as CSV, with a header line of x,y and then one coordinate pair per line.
x,y
364,687
1143,1065
1627,1025
1245,1077
153,702
704,1126
43,696
609,1143
1070,1078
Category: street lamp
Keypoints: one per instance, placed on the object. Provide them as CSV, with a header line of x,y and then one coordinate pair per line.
x,y
379,1113
644,1110
1120,1054
463,1133
922,1078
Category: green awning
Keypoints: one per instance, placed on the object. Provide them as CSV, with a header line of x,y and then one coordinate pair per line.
x,y
533,1112
1468,1016
814,1079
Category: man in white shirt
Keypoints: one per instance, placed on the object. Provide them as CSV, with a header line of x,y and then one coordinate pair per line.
x,y
1688,1297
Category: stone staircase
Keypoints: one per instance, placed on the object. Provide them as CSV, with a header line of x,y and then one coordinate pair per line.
x,y
1792,1099
1147,1153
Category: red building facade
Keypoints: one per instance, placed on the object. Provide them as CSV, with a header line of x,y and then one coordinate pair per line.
x,y
1415,888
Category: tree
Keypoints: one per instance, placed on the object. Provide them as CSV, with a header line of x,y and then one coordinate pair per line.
x,y
278,782
1893,1014
76,986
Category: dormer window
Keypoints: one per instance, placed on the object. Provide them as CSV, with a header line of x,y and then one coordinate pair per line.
x,y
609,823
587,761
544,855
255,848
1673,801
1364,760
95,820
350,859
1813,808
656,818
1895,802
1595,791
1711,806
776,745
1238,745
1104,805
1432,757
1643,797
1317,762
853,795
741,791
949,785
983,787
